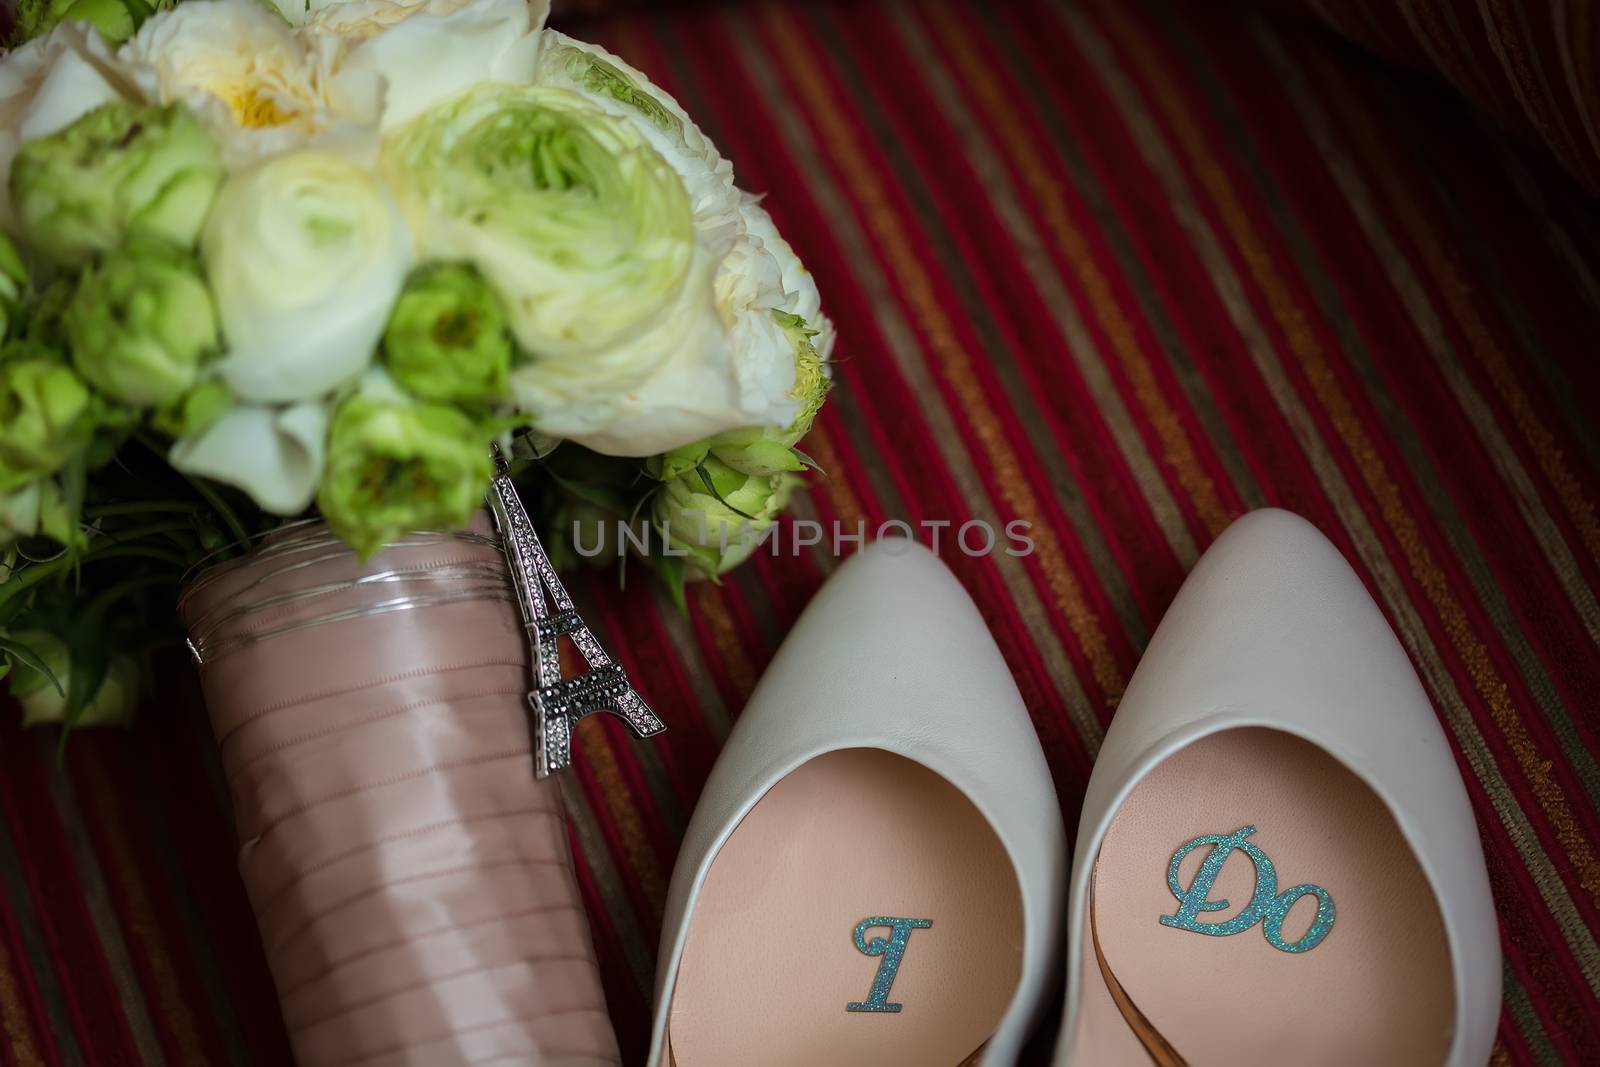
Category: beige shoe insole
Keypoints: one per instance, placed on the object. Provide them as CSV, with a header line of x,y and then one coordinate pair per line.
x,y
1376,990
772,963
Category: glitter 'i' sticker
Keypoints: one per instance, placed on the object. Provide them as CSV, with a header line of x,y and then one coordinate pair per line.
x,y
892,950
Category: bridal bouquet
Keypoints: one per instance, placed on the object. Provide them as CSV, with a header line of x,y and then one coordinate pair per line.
x,y
275,288
262,263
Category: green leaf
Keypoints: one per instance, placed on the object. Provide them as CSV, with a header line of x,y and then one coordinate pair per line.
x,y
600,496
711,487
810,463
20,653
670,571
86,645
75,486
10,609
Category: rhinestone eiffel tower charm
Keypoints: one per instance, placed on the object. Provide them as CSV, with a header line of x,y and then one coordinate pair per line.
x,y
558,703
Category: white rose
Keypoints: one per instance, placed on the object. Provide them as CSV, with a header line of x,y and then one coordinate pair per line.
x,y
47,85
257,86
430,51
306,254
273,454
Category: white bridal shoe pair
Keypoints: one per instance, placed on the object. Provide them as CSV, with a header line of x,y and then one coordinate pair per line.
x,y
1276,861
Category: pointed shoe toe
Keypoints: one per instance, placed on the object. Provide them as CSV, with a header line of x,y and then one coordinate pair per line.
x,y
1277,861
874,870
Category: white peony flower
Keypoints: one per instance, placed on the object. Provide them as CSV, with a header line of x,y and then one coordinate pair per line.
x,y
604,219
376,14
800,295
683,397
296,12
723,358
743,374
258,87
431,51
47,85
306,254
608,84
273,454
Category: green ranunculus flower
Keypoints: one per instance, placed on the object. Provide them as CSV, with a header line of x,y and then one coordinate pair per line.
x,y
447,338
680,460
394,467
115,19
758,452
121,169
196,410
37,509
141,322
719,524
43,320
581,227
47,415
20,349
113,704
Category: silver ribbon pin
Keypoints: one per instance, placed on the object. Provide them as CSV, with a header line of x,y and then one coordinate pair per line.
x,y
558,703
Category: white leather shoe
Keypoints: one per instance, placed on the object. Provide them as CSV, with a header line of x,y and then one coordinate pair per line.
x,y
874,871
1275,749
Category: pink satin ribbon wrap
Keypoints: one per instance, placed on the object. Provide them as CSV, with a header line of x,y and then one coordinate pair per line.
x,y
412,881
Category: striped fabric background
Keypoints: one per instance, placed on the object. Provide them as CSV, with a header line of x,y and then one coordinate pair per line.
x,y
1122,270
1534,63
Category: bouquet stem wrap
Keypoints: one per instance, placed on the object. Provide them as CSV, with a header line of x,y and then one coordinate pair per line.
x,y
411,880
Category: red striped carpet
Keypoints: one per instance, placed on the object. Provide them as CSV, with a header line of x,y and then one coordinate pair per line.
x,y
1123,271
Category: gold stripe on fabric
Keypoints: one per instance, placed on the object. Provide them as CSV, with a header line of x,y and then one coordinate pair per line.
x,y
1043,437
725,636
1393,592
1490,595
832,481
1030,595
1463,307
132,1005
917,288
635,939
1368,459
145,928
1176,448
623,807
20,1039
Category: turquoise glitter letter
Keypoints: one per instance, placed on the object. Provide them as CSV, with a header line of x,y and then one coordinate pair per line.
x,y
892,949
